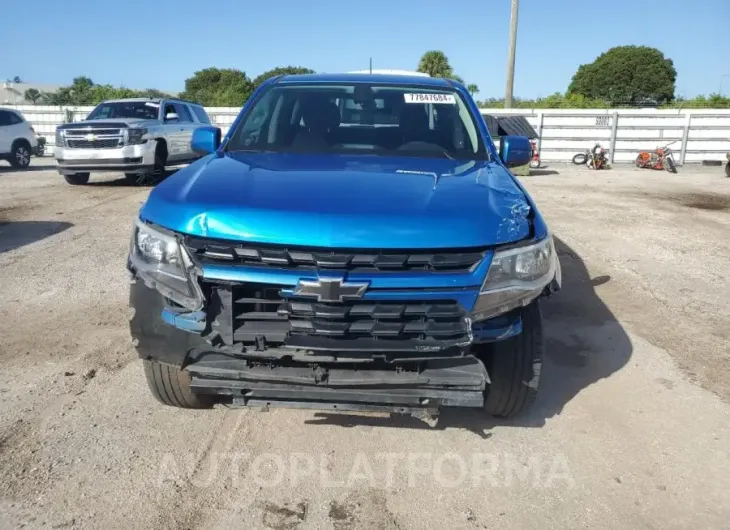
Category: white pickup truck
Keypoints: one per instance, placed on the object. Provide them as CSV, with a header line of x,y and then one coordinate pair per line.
x,y
138,137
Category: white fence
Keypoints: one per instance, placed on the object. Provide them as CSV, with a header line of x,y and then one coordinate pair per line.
x,y
700,134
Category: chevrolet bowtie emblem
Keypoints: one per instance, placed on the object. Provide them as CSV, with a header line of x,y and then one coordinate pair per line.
x,y
91,137
330,289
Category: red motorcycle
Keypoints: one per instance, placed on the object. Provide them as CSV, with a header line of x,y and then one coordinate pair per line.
x,y
660,158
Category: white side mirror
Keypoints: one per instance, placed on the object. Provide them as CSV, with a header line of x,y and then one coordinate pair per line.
x,y
170,116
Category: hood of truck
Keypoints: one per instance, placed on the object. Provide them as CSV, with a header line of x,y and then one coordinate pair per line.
x,y
343,201
101,124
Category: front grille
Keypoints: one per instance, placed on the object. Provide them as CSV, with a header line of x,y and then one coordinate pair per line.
x,y
260,313
95,144
218,251
103,138
98,132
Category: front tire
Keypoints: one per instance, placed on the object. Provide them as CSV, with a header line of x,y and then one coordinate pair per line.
x,y
77,179
668,164
514,367
534,164
580,159
171,386
20,155
157,172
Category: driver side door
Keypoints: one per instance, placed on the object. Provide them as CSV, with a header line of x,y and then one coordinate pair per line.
x,y
174,133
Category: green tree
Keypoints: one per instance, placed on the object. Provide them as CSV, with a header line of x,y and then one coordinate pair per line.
x,y
281,70
62,96
152,93
99,93
213,87
80,91
15,79
627,74
83,91
472,88
436,64
32,95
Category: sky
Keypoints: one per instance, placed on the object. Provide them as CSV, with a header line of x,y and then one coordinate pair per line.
x,y
142,44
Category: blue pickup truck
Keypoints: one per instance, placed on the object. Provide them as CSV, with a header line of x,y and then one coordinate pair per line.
x,y
354,242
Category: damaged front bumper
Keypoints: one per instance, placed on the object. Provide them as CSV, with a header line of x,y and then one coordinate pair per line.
x,y
385,376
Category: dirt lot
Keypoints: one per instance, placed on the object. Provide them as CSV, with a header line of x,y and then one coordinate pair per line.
x,y
631,429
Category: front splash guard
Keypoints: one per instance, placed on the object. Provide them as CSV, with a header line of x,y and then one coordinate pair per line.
x,y
457,382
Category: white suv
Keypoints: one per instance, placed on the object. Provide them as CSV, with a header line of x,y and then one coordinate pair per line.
x,y
17,138
139,136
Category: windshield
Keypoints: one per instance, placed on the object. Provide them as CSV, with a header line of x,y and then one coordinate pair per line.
x,y
143,110
386,120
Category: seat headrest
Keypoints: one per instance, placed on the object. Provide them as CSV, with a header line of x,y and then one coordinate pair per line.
x,y
413,118
320,114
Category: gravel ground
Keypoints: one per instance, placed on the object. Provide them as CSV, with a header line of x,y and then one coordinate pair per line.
x,y
631,429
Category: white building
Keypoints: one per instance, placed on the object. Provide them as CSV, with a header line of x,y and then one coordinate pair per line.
x,y
14,93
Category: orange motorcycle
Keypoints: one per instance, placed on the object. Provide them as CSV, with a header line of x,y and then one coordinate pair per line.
x,y
660,158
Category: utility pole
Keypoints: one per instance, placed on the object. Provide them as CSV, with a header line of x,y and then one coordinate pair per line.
x,y
509,89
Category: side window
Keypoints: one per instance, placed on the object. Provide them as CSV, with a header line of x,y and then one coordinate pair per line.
x,y
183,113
169,109
4,118
200,113
102,113
14,118
252,132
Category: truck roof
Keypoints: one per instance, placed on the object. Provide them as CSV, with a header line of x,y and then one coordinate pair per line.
x,y
390,72
153,100
384,78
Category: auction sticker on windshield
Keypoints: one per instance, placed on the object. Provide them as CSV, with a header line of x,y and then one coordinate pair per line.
x,y
448,99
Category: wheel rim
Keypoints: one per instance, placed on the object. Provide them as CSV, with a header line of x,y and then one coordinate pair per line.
x,y
22,156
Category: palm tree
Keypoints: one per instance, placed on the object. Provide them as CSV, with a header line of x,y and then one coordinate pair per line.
x,y
472,88
436,64
32,95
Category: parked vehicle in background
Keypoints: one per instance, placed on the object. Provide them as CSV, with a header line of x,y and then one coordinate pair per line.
x,y
18,140
660,158
535,160
139,137
582,158
40,150
356,242
597,158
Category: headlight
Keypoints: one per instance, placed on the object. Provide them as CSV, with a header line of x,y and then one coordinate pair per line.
x,y
516,277
135,134
164,265
59,137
